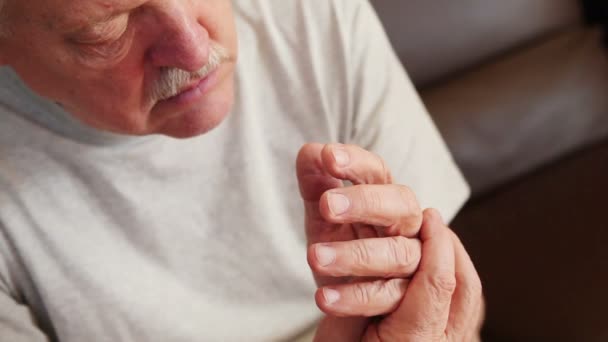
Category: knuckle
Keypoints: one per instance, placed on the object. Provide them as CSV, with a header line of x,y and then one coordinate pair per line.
x,y
406,193
395,288
401,254
412,207
442,285
371,200
420,333
361,254
362,294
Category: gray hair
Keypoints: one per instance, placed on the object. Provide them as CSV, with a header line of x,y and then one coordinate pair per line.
x,y
172,80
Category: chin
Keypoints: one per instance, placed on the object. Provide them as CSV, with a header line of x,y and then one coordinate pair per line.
x,y
195,123
201,117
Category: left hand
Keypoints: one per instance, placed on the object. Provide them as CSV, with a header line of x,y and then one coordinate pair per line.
x,y
372,237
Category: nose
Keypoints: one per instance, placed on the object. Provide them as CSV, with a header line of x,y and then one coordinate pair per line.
x,y
183,42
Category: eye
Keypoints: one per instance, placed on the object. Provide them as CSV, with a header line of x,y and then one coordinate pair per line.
x,y
108,40
102,32
101,35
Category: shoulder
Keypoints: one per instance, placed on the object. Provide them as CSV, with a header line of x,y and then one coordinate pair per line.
x,y
292,7
18,140
23,158
301,56
301,18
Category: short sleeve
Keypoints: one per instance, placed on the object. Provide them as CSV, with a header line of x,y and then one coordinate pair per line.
x,y
390,119
17,323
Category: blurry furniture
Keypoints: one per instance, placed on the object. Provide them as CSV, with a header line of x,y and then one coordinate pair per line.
x,y
519,89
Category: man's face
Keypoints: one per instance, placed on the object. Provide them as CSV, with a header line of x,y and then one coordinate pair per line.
x,y
127,66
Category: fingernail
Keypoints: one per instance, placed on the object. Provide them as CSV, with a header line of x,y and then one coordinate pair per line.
x,y
338,203
331,296
325,255
342,158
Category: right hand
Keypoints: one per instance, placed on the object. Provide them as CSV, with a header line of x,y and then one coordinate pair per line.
x,y
443,301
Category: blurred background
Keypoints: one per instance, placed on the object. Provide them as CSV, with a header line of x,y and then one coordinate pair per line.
x,y
519,90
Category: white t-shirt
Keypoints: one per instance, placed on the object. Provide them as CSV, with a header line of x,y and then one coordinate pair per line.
x,y
113,238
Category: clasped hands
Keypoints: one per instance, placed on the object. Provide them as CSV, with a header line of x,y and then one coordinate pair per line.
x,y
386,270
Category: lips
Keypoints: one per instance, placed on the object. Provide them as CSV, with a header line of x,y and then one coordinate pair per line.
x,y
191,94
191,86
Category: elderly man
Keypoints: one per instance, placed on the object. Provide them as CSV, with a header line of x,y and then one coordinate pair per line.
x,y
112,229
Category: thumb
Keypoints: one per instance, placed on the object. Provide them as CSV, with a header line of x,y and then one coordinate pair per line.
x,y
424,311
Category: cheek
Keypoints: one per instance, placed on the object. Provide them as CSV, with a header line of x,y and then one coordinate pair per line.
x,y
117,91
110,99
84,88
120,85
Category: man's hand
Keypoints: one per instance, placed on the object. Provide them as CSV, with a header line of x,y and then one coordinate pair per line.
x,y
361,239
443,301
362,245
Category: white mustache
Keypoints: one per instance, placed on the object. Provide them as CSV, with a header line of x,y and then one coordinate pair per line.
x,y
172,80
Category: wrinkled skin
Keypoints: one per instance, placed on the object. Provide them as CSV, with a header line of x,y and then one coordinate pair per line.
x,y
98,59
386,270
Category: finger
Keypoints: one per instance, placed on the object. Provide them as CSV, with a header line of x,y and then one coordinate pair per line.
x,y
341,329
467,298
394,207
355,164
425,309
313,178
313,181
365,299
391,257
